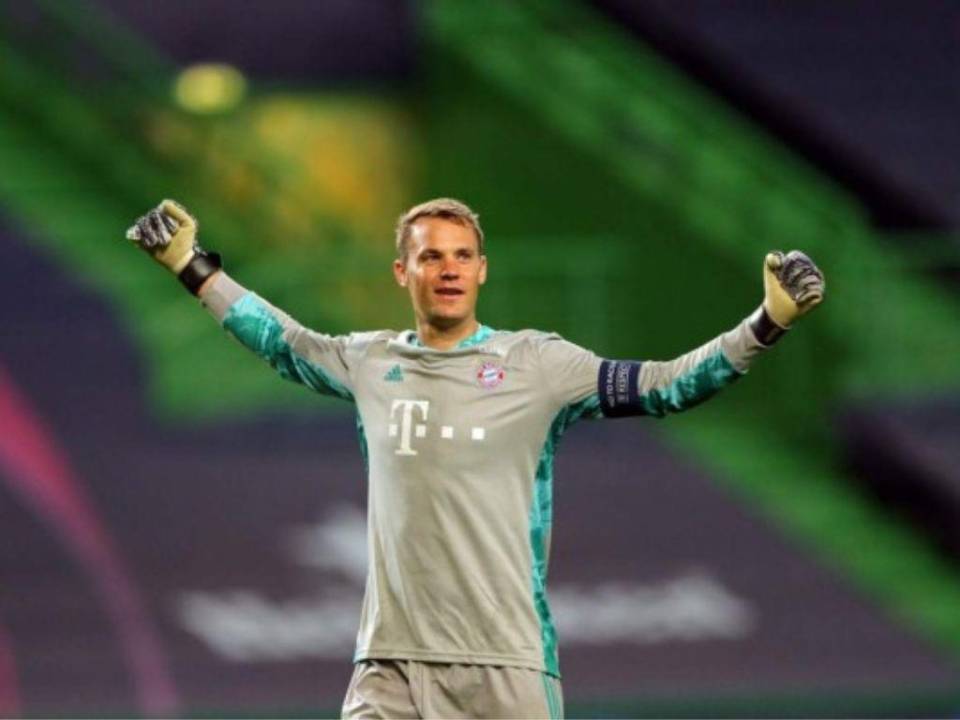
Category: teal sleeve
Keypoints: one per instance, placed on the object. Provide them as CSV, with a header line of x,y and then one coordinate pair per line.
x,y
321,362
315,360
657,388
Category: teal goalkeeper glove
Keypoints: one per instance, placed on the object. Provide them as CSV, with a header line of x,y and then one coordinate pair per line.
x,y
168,234
793,285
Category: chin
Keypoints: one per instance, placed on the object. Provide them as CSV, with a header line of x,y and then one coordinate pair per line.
x,y
447,319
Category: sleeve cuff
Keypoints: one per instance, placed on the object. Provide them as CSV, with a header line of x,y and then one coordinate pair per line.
x,y
220,294
764,329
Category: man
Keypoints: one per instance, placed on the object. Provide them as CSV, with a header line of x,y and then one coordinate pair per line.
x,y
458,423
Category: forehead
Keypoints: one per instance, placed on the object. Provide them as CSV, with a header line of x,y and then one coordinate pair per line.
x,y
437,233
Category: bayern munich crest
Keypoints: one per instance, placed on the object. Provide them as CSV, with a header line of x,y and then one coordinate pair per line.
x,y
490,375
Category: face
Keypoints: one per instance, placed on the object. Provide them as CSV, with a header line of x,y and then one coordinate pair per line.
x,y
443,270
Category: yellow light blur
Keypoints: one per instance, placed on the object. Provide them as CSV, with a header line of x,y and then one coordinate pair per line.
x,y
209,88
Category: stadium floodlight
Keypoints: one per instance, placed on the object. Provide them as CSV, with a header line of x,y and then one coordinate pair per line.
x,y
209,88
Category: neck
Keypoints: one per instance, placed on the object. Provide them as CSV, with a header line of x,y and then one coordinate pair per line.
x,y
445,338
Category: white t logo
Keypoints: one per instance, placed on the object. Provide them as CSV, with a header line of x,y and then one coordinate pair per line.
x,y
406,423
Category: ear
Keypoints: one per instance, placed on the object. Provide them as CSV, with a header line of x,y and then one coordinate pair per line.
x,y
400,272
483,269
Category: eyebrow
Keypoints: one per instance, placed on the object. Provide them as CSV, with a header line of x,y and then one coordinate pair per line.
x,y
456,251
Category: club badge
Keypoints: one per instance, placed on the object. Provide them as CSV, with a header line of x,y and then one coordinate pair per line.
x,y
490,375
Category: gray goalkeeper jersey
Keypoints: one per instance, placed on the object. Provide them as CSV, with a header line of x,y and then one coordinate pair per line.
x,y
459,446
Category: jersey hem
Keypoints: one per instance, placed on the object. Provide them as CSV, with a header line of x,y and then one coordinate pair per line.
x,y
455,658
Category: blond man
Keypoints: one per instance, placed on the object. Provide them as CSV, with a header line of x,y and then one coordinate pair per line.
x,y
459,423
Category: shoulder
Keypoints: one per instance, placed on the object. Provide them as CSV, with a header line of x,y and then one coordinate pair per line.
x,y
537,339
553,351
527,343
361,342
514,339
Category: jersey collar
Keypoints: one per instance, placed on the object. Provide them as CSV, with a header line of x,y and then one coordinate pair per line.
x,y
483,333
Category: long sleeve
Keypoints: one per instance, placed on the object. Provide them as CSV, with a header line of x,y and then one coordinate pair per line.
x,y
321,362
659,387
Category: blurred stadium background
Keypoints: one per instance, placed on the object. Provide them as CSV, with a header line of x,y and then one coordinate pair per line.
x,y
183,532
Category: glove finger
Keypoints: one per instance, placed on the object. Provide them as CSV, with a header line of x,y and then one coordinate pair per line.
x,y
793,265
809,300
809,294
809,285
791,280
799,255
165,231
169,223
150,231
147,238
799,272
159,229
774,260
795,260
810,280
804,273
133,233
177,212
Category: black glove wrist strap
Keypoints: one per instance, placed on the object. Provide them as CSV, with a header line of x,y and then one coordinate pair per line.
x,y
201,266
764,328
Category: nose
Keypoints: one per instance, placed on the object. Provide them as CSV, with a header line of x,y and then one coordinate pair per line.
x,y
449,270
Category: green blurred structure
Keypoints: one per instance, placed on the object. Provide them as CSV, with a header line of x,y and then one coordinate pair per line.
x,y
625,207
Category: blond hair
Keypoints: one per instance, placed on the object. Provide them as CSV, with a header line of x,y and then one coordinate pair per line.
x,y
446,208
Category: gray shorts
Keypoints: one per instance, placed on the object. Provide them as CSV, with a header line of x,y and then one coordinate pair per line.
x,y
409,689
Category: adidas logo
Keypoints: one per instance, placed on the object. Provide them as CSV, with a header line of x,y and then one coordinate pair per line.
x,y
395,374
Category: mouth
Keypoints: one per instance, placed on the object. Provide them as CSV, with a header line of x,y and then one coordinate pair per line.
x,y
449,292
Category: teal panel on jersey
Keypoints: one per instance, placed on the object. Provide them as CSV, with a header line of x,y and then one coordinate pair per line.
x,y
362,436
252,323
482,333
691,388
553,711
541,522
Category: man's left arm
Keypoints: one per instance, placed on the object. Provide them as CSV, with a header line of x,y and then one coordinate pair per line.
x,y
793,285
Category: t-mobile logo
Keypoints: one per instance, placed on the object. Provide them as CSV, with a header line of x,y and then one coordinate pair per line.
x,y
406,408
409,427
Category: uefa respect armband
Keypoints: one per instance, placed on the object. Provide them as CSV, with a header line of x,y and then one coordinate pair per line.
x,y
617,388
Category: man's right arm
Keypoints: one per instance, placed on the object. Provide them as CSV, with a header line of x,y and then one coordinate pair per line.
x,y
206,284
168,235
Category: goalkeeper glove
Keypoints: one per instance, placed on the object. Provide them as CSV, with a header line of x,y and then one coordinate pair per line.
x,y
793,285
169,235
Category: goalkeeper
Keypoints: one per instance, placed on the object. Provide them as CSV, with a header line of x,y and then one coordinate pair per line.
x,y
459,423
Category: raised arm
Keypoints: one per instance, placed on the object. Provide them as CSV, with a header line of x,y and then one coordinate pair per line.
x,y
169,235
793,285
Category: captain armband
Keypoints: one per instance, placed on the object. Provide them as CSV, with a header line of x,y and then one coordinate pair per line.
x,y
617,388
